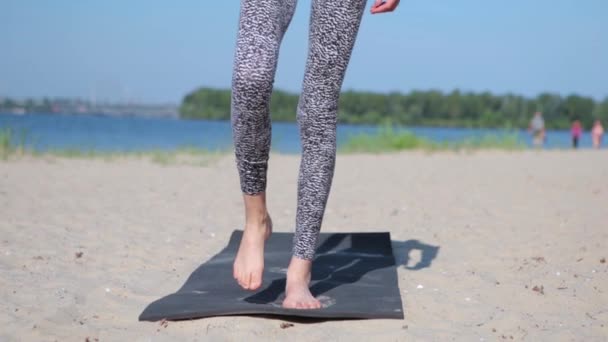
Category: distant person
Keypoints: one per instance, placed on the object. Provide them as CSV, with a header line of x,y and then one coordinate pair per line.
x,y
576,131
537,128
596,133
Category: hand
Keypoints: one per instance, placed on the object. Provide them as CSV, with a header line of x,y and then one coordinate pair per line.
x,y
383,6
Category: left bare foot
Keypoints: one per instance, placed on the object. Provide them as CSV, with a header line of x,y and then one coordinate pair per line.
x,y
249,262
297,293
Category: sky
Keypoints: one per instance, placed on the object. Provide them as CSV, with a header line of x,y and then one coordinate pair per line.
x,y
158,51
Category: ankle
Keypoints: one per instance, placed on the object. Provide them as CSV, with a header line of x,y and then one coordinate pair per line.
x,y
299,270
257,222
256,213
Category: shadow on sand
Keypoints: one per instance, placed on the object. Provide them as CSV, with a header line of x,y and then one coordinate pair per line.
x,y
349,265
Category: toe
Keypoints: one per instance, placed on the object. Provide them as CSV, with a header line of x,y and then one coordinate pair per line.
x,y
246,279
242,279
290,304
256,280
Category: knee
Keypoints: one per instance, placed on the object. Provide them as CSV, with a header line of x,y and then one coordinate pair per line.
x,y
251,92
252,84
319,96
317,128
318,107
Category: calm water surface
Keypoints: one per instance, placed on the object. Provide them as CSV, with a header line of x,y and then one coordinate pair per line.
x,y
108,133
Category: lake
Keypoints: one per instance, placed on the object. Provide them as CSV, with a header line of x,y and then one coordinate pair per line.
x,y
129,133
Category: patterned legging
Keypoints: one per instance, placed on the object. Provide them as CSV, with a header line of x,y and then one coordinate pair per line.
x,y
333,30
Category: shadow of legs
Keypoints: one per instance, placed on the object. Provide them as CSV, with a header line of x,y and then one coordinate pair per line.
x,y
402,250
349,265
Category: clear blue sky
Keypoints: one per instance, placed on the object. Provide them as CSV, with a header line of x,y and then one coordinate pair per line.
x,y
157,51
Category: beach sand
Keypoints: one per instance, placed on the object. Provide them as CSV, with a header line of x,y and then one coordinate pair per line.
x,y
520,239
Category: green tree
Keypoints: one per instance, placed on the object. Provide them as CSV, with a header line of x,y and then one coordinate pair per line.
x,y
431,108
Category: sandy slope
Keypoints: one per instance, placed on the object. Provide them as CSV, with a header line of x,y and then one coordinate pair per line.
x,y
503,224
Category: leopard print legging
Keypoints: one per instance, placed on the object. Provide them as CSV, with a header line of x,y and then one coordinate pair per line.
x,y
333,30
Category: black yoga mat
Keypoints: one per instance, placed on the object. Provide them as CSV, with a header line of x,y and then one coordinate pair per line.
x,y
354,276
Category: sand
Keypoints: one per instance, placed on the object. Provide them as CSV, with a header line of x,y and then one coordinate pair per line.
x,y
517,243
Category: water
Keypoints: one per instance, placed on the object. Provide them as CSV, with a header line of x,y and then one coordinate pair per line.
x,y
108,133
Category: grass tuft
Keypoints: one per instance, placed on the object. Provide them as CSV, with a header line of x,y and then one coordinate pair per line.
x,y
387,139
12,145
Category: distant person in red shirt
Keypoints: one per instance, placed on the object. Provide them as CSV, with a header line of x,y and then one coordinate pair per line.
x,y
576,131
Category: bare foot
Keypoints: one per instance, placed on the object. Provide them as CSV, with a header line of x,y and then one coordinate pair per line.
x,y
249,262
297,293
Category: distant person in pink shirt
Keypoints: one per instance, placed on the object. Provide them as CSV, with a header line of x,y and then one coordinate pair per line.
x,y
596,133
576,131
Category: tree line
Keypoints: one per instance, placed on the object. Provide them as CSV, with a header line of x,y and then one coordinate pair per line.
x,y
425,108
80,106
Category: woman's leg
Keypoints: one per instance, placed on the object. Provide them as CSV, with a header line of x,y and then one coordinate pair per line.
x,y
262,25
333,30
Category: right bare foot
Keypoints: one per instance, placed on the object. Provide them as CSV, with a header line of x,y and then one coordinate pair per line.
x,y
249,262
297,293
